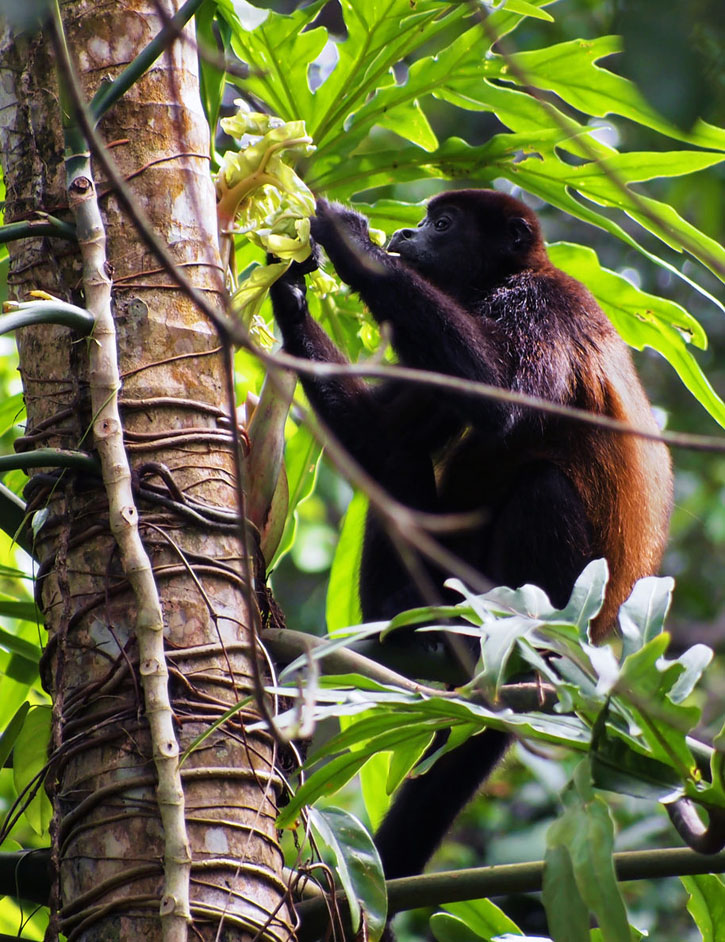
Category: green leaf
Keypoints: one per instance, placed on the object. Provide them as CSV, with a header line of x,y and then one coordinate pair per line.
x,y
447,928
210,31
404,759
302,457
12,518
618,768
374,778
521,112
279,53
706,905
30,757
409,121
325,781
643,319
12,412
548,178
566,914
497,648
464,54
343,598
587,596
569,70
24,609
11,732
694,661
483,917
646,681
528,9
583,834
549,174
642,616
454,158
380,34
358,866
20,647
22,670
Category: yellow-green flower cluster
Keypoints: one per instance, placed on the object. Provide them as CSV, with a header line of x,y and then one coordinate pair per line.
x,y
259,189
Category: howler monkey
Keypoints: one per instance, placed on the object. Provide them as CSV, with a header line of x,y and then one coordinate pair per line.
x,y
471,293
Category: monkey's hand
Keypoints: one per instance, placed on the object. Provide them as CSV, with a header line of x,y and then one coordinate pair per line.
x,y
333,221
289,292
344,235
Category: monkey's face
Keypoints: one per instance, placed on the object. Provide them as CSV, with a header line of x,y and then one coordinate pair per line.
x,y
444,248
469,242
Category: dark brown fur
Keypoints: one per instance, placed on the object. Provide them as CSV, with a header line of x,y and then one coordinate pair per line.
x,y
473,294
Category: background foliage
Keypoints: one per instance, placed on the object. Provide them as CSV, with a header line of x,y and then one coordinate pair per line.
x,y
622,156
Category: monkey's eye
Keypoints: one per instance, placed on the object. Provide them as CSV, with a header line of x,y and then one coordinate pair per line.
x,y
442,223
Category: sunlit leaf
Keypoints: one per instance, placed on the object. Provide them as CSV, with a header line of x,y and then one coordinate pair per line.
x,y
343,598
30,757
706,904
484,917
642,616
11,732
569,69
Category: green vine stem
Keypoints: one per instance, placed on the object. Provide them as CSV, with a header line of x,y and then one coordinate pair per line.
x,y
45,225
46,311
50,458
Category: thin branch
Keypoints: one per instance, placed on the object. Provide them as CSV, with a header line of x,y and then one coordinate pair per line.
x,y
45,311
50,458
475,389
484,882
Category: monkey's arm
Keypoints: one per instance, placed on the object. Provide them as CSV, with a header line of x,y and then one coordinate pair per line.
x,y
431,331
345,403
373,423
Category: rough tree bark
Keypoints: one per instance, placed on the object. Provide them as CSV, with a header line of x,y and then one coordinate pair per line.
x,y
107,837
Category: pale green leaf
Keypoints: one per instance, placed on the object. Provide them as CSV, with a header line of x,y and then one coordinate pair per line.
x,y
483,916
343,598
30,757
643,319
706,904
585,835
302,456
279,52
528,9
11,732
358,866
569,69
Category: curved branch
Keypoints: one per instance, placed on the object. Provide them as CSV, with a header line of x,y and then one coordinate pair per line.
x,y
475,883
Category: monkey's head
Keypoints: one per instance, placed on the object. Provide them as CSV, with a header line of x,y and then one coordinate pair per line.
x,y
470,240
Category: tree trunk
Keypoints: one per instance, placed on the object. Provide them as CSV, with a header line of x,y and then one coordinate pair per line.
x,y
107,835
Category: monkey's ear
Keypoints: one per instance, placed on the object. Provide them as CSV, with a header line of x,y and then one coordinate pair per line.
x,y
521,232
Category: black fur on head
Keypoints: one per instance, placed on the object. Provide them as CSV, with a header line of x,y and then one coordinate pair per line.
x,y
472,240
